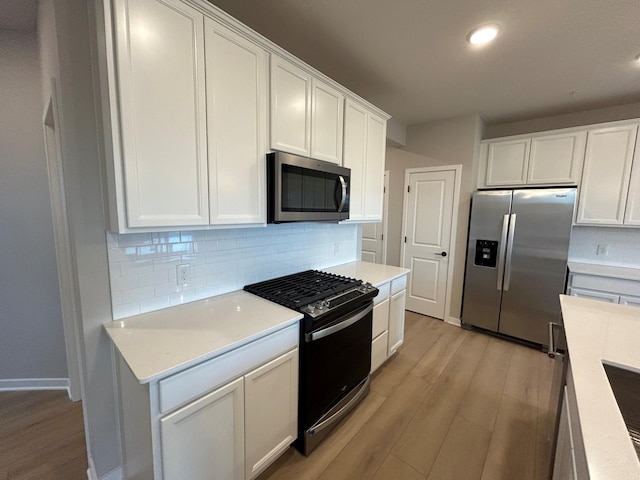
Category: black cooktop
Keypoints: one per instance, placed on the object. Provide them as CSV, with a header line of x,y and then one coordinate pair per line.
x,y
304,288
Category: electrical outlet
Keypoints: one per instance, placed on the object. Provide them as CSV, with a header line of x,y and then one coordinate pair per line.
x,y
603,249
183,274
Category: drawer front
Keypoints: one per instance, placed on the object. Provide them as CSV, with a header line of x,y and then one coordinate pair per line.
x,y
195,381
378,351
380,318
606,284
383,294
398,284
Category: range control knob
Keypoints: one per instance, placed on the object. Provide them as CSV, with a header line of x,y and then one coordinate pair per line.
x,y
311,308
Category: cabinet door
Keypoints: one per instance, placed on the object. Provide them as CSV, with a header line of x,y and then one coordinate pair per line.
x,y
236,126
374,167
605,179
206,437
327,121
355,155
556,158
629,300
271,411
396,321
380,318
290,108
563,468
604,296
632,212
160,67
379,350
507,162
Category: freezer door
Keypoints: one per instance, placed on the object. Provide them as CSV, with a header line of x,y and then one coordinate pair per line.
x,y
483,276
536,262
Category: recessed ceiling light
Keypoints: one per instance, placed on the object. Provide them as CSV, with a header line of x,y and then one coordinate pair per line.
x,y
483,34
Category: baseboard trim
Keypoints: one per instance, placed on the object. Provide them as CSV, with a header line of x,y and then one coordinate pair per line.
x,y
34,384
112,475
453,321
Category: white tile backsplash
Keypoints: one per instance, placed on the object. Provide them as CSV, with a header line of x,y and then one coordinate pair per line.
x,y
623,246
143,266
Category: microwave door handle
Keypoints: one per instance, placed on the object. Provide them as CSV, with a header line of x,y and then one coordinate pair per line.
x,y
343,197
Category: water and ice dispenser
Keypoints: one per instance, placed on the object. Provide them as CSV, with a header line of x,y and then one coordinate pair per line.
x,y
486,253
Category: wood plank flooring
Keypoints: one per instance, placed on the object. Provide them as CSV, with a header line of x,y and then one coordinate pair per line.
x,y
451,404
41,437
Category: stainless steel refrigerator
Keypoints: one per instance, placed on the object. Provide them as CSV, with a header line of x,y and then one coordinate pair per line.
x,y
517,260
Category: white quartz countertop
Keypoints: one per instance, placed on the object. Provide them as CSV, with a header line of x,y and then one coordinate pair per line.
x,y
602,332
373,273
605,270
157,344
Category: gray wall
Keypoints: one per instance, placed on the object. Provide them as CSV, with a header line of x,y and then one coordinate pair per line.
x,y
453,141
586,117
32,341
66,53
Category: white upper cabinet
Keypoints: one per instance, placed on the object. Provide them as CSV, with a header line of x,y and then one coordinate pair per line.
x,y
290,107
632,212
327,120
160,67
537,160
507,162
556,158
605,179
236,126
364,153
306,113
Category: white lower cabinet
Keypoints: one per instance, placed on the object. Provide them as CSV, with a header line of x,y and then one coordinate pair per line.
x,y
227,418
205,439
608,289
388,321
271,411
604,296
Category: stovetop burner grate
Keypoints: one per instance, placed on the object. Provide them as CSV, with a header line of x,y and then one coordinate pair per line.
x,y
300,289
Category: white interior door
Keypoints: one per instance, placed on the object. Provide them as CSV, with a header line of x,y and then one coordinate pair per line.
x,y
374,235
428,219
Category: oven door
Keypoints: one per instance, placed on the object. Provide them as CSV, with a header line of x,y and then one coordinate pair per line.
x,y
334,361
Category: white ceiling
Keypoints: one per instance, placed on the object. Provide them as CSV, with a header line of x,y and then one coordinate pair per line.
x,y
411,58
18,14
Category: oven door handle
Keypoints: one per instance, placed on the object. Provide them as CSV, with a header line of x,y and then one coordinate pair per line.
x,y
325,332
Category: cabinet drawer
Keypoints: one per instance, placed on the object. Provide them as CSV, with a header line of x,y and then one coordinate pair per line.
x,y
380,318
383,295
193,382
379,351
398,284
606,284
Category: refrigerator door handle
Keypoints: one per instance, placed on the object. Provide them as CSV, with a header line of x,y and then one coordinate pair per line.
x,y
501,253
507,270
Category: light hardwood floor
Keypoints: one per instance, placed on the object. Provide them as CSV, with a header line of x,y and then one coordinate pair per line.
x,y
41,437
451,404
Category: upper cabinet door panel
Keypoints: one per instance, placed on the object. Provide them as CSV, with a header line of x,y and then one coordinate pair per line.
x,y
327,120
507,163
290,108
556,158
355,155
237,126
160,65
632,212
605,179
374,175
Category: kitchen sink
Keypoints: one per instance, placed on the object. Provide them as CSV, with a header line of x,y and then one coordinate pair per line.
x,y
626,388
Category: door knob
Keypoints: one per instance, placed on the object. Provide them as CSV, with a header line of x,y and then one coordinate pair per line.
x,y
442,254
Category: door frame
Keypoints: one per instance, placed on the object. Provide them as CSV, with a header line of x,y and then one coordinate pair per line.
x,y
457,169
69,298
385,217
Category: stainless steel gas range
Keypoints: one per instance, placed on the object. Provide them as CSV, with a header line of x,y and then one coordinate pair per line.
x,y
335,345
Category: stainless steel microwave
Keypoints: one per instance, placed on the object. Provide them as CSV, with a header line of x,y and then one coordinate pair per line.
x,y
301,189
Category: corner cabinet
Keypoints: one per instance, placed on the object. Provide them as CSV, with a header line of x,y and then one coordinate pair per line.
x,y
306,113
535,160
609,192
228,417
364,152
